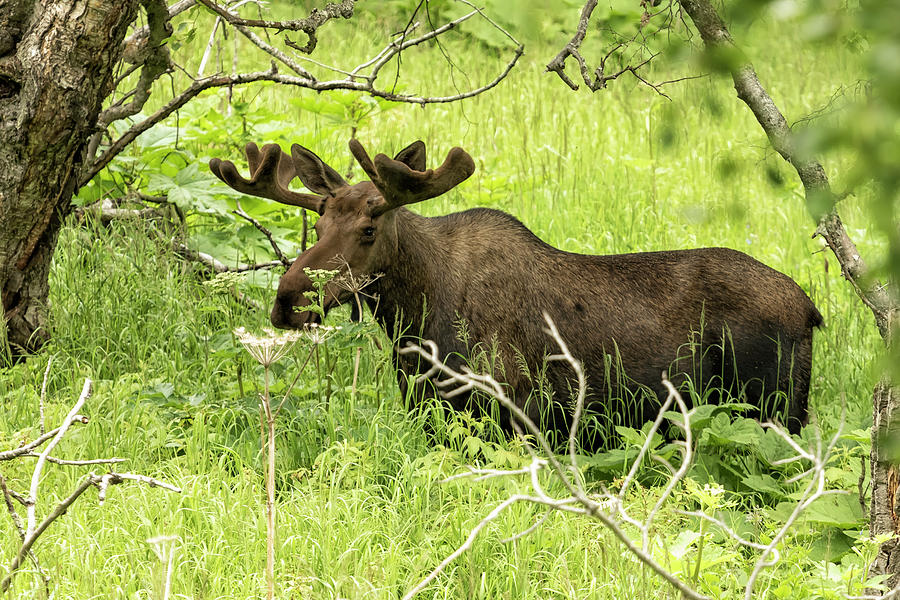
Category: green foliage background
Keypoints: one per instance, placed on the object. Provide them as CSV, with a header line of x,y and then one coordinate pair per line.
x,y
361,511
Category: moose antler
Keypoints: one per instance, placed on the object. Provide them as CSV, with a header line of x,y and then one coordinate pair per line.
x,y
271,170
400,184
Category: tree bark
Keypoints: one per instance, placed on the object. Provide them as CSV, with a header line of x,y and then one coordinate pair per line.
x,y
885,458
882,299
56,67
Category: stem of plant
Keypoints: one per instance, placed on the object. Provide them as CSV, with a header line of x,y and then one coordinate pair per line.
x,y
358,349
270,492
355,372
699,552
240,377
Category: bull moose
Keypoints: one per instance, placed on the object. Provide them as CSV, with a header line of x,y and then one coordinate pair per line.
x,y
712,316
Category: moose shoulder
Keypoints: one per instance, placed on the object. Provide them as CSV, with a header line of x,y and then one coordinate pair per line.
x,y
712,315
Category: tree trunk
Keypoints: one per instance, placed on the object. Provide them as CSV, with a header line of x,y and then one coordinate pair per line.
x,y
882,300
885,458
56,68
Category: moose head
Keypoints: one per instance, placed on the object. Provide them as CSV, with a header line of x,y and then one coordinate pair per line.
x,y
355,228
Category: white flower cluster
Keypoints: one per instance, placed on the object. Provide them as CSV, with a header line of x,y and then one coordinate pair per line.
x,y
271,347
317,334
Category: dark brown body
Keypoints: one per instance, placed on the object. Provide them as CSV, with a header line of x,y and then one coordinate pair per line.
x,y
638,311
478,282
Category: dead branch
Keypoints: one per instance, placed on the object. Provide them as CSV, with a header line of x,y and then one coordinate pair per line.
x,y
218,266
107,210
607,507
608,510
362,78
600,77
265,231
89,461
25,449
31,529
309,25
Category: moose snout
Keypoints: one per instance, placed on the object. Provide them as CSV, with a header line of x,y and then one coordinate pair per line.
x,y
279,317
287,314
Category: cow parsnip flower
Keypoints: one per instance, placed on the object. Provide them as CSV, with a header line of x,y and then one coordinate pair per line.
x,y
270,348
317,334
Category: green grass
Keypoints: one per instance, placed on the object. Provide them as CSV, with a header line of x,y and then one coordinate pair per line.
x,y
360,511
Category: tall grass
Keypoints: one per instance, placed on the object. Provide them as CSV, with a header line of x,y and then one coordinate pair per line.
x,y
361,514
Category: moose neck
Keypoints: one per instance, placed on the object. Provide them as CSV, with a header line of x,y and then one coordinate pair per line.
x,y
415,275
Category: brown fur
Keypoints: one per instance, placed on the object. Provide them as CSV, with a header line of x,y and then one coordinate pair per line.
x,y
654,312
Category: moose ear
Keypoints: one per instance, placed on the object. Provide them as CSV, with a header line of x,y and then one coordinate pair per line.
x,y
413,156
315,174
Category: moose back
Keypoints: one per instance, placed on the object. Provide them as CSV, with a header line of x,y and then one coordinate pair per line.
x,y
713,316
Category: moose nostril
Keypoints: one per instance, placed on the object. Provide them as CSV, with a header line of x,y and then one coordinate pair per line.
x,y
279,316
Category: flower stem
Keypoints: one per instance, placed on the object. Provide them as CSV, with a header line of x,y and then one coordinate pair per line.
x,y
270,492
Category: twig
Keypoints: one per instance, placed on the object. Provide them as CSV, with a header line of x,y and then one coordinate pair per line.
x,y
31,530
600,78
20,529
608,508
44,392
309,25
466,379
354,80
36,475
25,449
240,212
78,463
218,266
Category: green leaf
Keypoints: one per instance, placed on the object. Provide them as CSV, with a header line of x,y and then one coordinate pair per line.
x,y
682,543
632,436
836,510
722,431
764,484
194,190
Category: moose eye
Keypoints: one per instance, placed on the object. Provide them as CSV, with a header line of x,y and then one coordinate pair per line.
x,y
368,232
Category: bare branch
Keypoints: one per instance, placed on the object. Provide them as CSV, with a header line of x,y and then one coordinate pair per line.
x,y
43,397
77,463
309,25
36,475
608,508
607,511
599,79
265,231
217,265
31,530
354,80
498,510
16,452
814,490
558,64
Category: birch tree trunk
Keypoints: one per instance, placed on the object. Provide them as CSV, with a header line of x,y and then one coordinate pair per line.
x,y
56,68
881,299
